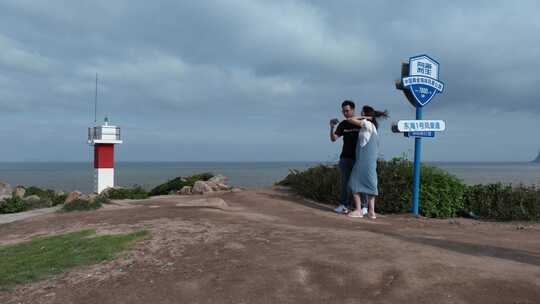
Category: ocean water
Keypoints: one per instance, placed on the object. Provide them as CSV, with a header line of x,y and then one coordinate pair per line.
x,y
492,172
79,176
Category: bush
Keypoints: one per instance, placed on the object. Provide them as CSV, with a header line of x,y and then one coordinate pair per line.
x,y
503,202
441,193
47,195
37,204
39,192
84,205
12,205
127,193
320,183
179,182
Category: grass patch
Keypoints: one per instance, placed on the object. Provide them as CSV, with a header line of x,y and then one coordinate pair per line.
x,y
45,256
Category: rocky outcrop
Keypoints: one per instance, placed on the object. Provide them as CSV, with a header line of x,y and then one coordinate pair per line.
x,y
218,179
5,191
32,198
537,160
88,197
19,192
201,187
72,197
216,183
186,190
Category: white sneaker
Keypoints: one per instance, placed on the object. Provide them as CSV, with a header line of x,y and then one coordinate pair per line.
x,y
364,211
341,209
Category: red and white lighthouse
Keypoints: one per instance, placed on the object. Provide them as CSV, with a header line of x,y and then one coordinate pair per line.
x,y
103,138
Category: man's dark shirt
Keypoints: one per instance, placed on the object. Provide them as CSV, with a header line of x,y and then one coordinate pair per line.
x,y
350,138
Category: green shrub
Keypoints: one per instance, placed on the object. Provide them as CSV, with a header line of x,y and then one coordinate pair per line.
x,y
441,193
503,202
179,182
47,195
39,192
84,205
127,193
59,199
37,204
12,205
320,183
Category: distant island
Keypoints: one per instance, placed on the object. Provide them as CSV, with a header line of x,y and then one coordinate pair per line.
x,y
537,160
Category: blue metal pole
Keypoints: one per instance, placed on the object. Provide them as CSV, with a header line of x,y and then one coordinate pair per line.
x,y
417,161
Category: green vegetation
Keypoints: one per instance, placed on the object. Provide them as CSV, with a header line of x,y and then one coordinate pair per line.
x,y
84,205
127,193
179,182
442,194
47,195
503,202
47,198
45,256
12,205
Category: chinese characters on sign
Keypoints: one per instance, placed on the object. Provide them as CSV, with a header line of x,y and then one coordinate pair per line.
x,y
421,125
424,68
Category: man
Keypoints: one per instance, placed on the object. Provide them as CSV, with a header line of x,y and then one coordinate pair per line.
x,y
348,153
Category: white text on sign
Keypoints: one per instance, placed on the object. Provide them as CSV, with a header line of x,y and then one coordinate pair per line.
x,y
421,125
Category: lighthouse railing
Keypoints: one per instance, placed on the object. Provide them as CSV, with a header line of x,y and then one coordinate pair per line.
x,y
96,133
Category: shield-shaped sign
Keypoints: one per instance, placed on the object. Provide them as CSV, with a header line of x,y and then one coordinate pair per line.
x,y
423,80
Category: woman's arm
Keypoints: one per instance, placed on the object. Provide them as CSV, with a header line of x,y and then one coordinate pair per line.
x,y
357,121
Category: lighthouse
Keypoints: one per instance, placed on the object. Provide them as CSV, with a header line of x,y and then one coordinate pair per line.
x,y
103,138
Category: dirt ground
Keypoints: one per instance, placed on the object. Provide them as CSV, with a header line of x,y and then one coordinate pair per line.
x,y
268,246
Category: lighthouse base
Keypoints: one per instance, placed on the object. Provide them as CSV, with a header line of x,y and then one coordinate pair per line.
x,y
103,179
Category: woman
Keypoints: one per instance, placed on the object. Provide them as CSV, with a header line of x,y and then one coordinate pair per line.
x,y
363,180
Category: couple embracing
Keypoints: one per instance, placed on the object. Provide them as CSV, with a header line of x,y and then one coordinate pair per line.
x,y
358,159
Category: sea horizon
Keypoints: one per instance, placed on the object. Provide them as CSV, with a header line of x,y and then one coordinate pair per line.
x,y
78,175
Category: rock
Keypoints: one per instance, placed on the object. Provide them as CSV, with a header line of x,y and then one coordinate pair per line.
x,y
218,179
212,185
186,190
236,190
201,187
224,187
107,191
19,192
32,198
5,191
72,196
88,197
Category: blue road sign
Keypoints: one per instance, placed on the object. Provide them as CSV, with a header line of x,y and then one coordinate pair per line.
x,y
420,86
420,134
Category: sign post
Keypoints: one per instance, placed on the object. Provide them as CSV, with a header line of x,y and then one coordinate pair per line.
x,y
419,82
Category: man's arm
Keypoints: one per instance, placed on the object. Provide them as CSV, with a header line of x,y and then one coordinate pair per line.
x,y
333,135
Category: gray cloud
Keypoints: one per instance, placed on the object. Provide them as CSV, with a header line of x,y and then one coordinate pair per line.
x,y
226,80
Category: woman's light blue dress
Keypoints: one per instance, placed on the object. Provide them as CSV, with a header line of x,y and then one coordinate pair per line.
x,y
364,173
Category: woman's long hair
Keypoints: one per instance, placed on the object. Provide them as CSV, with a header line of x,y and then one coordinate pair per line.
x,y
371,112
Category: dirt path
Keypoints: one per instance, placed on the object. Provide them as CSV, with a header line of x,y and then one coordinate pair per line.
x,y
266,246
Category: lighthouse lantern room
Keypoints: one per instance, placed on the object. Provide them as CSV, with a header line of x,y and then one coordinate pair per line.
x,y
103,138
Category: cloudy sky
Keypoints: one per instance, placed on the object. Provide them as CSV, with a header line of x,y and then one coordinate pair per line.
x,y
239,80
